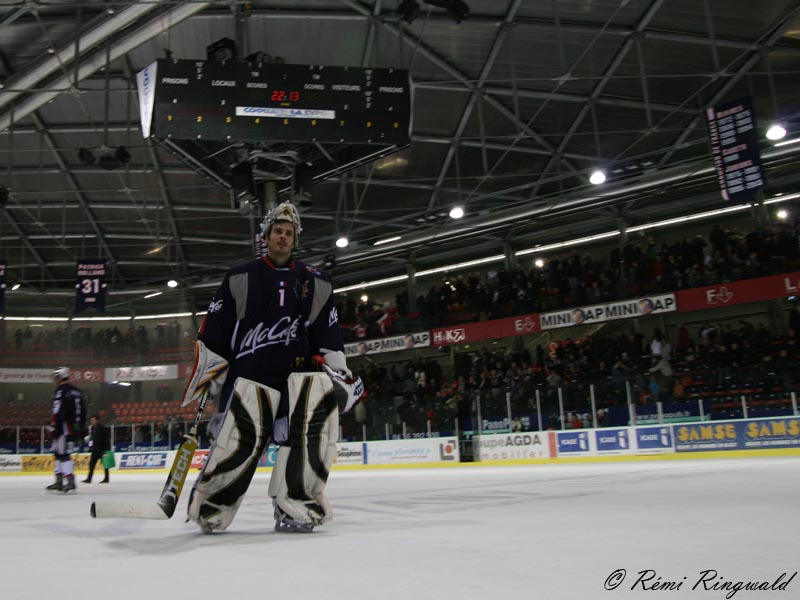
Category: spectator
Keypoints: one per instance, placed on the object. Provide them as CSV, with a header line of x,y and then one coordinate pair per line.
x,y
99,444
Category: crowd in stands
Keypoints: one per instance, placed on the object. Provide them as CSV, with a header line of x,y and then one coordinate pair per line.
x,y
736,355
422,394
107,342
418,395
579,279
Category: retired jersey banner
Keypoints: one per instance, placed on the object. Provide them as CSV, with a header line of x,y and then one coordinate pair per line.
x,y
2,286
90,285
389,344
734,148
625,309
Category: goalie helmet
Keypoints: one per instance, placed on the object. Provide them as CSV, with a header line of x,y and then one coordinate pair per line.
x,y
61,373
285,211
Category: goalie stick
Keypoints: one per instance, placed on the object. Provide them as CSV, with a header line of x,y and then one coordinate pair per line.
x,y
164,508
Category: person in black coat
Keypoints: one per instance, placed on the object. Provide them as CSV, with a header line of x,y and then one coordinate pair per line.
x,y
99,443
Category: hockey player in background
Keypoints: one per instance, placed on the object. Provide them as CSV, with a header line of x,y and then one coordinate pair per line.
x,y
254,351
69,418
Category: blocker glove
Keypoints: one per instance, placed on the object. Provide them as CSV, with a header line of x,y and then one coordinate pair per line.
x,y
348,389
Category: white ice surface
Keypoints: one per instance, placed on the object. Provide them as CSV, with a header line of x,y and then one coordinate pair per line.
x,y
544,531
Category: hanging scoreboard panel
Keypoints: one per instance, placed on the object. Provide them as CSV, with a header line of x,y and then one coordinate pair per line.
x,y
237,100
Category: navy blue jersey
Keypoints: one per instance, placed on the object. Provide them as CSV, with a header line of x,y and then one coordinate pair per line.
x,y
267,321
69,414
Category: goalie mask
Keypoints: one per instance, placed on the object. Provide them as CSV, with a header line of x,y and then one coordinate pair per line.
x,y
285,211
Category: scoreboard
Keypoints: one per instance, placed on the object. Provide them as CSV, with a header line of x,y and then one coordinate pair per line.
x,y
242,101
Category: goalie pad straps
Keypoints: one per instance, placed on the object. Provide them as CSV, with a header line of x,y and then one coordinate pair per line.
x,y
208,374
234,456
302,466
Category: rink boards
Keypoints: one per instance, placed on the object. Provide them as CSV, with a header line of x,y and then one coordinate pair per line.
x,y
745,437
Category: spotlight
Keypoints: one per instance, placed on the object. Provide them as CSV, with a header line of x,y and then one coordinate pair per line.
x,y
776,132
86,157
221,50
122,155
342,242
539,263
457,9
259,58
782,214
597,177
408,10
456,212
15,287
172,283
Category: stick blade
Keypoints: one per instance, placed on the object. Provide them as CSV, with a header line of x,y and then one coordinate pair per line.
x,y
126,510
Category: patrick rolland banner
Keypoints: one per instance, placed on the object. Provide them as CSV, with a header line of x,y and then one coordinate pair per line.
x,y
90,285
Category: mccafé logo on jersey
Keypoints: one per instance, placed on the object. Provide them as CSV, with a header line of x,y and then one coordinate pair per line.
x,y
282,332
599,313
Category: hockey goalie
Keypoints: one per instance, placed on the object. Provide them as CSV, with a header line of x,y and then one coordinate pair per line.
x,y
254,353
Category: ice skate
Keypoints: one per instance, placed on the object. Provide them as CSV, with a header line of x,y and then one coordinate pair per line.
x,y
69,484
284,522
56,485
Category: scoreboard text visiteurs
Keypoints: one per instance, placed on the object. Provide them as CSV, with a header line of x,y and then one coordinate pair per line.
x,y
237,100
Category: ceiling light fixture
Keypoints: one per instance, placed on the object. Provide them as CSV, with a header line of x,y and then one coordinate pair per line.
x,y
457,9
368,284
464,265
597,177
788,142
456,212
153,295
172,283
60,319
168,315
387,240
408,10
342,242
776,132
156,250
101,318
86,156
15,287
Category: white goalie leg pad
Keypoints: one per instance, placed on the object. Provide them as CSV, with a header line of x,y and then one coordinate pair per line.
x,y
208,374
234,456
301,470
